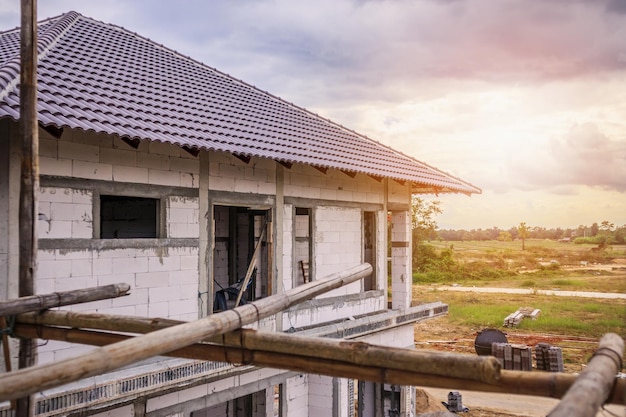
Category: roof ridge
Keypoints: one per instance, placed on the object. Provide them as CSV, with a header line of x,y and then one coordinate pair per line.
x,y
10,72
52,34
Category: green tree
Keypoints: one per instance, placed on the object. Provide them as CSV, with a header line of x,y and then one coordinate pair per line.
x,y
523,232
423,222
504,236
424,227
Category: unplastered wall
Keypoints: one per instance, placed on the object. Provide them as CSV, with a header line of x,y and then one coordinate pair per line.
x,y
228,173
296,393
338,244
103,157
163,281
162,274
308,182
65,213
398,193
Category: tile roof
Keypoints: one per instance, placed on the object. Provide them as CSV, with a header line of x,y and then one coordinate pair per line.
x,y
100,77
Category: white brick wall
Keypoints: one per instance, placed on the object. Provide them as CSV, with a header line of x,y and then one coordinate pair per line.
x,y
338,244
320,395
182,217
88,155
297,396
161,285
228,173
65,213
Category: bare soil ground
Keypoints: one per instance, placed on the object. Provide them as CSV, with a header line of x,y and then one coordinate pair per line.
x,y
441,335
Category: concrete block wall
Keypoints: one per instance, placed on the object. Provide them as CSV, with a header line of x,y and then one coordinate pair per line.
x,y
320,395
203,396
65,213
402,280
398,193
182,217
101,157
327,313
296,392
338,244
228,173
162,284
307,182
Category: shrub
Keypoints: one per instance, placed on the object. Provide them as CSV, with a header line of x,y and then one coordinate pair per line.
x,y
591,240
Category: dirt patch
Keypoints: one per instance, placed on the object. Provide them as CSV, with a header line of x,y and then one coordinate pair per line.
x,y
426,403
442,335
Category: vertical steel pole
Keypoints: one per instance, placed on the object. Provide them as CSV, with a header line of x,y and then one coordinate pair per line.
x,y
29,180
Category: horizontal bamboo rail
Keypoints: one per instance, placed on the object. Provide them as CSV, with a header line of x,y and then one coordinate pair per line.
x,y
62,298
278,345
104,359
542,384
592,388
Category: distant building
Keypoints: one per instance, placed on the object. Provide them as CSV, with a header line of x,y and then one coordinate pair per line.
x,y
165,174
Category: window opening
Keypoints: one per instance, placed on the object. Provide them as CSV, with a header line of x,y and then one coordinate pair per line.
x,y
369,248
302,245
241,267
123,217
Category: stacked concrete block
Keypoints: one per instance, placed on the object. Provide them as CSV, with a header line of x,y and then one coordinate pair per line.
x,y
549,358
455,402
516,318
513,357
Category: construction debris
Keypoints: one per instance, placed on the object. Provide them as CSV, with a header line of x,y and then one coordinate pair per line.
x,y
516,318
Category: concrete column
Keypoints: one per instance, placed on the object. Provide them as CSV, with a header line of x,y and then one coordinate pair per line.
x,y
401,279
4,209
9,217
279,218
407,402
205,253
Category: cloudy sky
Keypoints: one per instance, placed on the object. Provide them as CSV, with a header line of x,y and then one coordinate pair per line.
x,y
525,99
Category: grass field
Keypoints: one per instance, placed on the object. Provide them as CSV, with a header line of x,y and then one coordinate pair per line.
x,y
544,264
573,323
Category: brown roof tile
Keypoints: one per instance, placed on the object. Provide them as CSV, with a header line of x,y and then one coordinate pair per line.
x,y
100,77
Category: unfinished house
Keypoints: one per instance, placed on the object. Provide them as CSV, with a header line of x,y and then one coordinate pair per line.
x,y
165,174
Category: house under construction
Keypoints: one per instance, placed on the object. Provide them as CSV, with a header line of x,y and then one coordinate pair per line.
x,y
200,192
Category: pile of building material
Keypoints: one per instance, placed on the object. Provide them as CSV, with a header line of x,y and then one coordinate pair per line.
x,y
520,357
455,403
516,318
549,358
513,357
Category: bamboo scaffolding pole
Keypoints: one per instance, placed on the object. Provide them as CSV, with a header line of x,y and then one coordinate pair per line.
x,y
471,367
542,384
536,383
62,298
592,388
251,264
114,356
29,180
